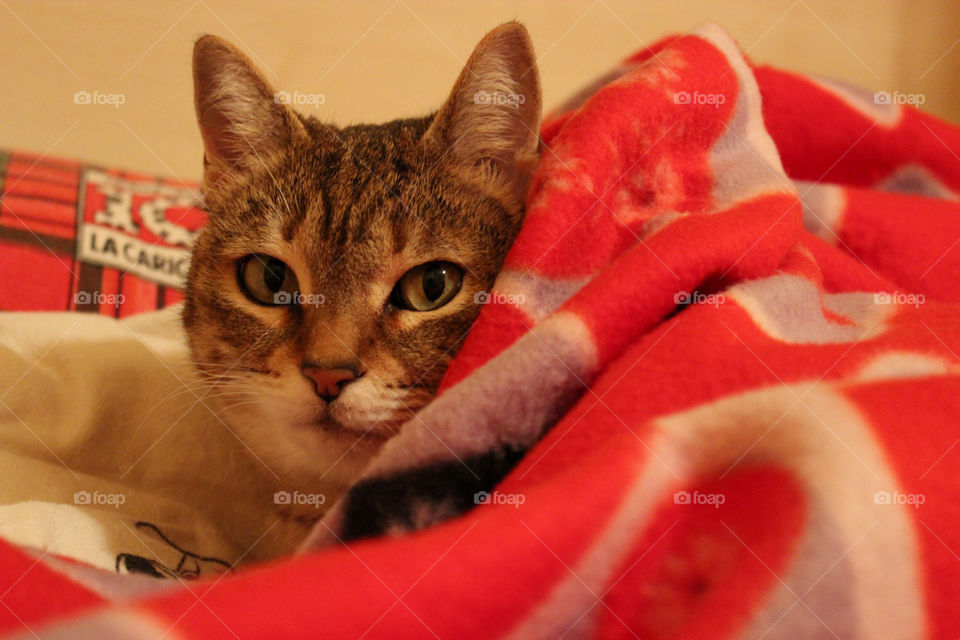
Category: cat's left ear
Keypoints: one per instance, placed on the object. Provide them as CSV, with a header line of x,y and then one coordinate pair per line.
x,y
490,124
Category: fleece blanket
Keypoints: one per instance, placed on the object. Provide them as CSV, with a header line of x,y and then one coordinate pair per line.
x,y
714,394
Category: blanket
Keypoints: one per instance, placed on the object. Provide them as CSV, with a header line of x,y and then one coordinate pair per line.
x,y
713,394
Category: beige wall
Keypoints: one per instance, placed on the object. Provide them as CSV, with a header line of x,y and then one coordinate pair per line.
x,y
376,60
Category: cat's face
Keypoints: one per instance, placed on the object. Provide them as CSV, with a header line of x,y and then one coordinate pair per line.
x,y
337,275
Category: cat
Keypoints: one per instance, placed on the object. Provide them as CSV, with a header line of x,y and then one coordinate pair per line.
x,y
339,271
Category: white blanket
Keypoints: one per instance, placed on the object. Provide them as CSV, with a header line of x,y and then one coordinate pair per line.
x,y
110,454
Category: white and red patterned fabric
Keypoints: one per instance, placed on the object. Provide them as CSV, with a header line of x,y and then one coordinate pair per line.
x,y
75,237
728,335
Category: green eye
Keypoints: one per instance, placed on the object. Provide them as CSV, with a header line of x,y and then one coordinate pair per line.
x,y
266,280
427,287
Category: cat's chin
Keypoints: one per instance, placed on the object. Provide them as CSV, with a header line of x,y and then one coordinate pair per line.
x,y
345,434
303,450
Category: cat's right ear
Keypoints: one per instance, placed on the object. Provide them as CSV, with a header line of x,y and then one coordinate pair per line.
x,y
242,119
490,124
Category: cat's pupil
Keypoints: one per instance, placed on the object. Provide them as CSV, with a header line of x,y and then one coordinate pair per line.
x,y
434,282
274,273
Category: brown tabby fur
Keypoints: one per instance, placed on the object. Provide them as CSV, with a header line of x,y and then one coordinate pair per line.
x,y
350,210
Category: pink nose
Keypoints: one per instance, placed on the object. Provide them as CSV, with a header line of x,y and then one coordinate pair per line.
x,y
328,382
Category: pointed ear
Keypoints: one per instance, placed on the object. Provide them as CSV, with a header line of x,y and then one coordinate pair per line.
x,y
490,124
242,119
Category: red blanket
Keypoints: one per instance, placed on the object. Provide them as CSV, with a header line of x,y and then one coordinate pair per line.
x,y
732,311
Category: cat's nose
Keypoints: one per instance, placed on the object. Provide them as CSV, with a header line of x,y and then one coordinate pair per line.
x,y
328,382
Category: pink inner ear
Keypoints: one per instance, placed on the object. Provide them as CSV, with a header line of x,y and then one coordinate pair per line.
x,y
497,131
214,128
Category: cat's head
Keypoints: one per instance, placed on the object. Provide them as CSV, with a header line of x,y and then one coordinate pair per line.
x,y
337,275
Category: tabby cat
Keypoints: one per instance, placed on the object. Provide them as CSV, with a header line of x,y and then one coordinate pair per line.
x,y
337,275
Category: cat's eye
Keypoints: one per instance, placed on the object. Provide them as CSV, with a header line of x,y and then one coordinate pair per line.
x,y
267,280
427,287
